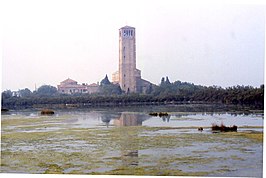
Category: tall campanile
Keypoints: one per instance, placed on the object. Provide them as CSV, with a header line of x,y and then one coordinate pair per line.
x,y
127,59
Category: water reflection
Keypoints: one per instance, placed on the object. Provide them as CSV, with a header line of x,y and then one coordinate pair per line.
x,y
130,119
203,119
129,155
106,119
129,137
166,118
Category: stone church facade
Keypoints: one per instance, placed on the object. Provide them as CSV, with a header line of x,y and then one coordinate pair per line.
x,y
128,76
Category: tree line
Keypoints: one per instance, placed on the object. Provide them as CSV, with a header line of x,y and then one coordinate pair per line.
x,y
165,92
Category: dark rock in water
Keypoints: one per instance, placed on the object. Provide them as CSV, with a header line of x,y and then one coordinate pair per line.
x,y
153,114
47,112
223,128
160,114
200,129
4,110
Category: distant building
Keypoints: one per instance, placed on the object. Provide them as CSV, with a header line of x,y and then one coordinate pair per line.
x,y
128,76
93,88
70,86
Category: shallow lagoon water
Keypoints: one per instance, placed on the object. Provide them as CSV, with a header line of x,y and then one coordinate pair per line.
x,y
109,141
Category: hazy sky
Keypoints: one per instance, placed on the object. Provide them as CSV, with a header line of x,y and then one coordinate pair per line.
x,y
46,42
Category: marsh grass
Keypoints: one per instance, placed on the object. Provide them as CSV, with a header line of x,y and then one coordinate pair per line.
x,y
116,150
151,171
251,135
18,121
47,112
223,128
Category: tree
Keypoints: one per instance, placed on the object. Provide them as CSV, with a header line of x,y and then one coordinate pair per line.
x,y
46,90
108,88
167,82
6,94
25,92
162,81
105,81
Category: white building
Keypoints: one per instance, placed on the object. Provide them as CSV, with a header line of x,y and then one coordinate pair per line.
x,y
70,86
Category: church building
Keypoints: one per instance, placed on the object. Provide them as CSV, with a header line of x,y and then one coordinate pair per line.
x,y
128,76
70,86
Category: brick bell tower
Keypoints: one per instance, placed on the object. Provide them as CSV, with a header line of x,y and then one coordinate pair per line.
x,y
127,59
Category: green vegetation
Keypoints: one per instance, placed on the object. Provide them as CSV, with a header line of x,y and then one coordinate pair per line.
x,y
151,171
46,90
108,88
47,112
223,128
183,91
111,94
136,150
254,136
4,110
160,114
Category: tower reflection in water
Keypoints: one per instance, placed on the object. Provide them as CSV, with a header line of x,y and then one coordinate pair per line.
x,y
129,119
129,137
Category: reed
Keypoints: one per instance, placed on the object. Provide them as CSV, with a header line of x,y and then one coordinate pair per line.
x,y
47,112
223,128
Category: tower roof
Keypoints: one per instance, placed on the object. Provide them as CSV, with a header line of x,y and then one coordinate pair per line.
x,y
127,27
